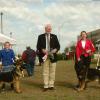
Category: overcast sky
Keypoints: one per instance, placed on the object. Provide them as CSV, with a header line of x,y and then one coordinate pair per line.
x,y
26,19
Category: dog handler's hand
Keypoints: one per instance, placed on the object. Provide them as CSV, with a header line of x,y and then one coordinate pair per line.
x,y
54,51
88,51
44,51
0,65
79,59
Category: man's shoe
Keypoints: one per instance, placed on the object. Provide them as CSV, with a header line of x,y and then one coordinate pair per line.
x,y
45,89
51,88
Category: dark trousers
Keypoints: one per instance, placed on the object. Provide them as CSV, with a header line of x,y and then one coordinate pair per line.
x,y
30,68
82,67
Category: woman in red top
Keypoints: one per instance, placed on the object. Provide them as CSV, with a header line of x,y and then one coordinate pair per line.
x,y
84,50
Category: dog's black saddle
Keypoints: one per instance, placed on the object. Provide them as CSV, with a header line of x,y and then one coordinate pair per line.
x,y
93,73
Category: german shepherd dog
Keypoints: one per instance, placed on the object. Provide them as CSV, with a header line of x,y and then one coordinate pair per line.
x,y
13,76
93,74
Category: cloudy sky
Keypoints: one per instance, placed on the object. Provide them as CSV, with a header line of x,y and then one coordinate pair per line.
x,y
26,19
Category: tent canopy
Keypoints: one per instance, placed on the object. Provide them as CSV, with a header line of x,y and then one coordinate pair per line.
x,y
4,38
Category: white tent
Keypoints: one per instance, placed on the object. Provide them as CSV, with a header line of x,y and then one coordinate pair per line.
x,y
4,38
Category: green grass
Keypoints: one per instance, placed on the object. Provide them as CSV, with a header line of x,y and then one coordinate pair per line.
x,y
65,81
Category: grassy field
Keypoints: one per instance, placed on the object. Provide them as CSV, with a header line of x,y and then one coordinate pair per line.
x,y
65,81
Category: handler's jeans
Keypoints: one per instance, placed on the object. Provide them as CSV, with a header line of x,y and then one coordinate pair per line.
x,y
49,70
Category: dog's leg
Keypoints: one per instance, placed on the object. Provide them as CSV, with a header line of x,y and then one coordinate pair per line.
x,y
82,85
17,84
12,86
3,86
99,81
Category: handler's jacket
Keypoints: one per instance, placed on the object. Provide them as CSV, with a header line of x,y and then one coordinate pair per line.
x,y
82,51
54,44
7,57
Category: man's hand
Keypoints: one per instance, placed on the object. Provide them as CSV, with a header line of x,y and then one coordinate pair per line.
x,y
45,58
54,51
44,51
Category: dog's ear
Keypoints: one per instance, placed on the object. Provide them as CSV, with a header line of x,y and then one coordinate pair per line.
x,y
18,61
98,67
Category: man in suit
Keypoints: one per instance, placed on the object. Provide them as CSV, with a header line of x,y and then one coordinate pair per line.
x,y
48,45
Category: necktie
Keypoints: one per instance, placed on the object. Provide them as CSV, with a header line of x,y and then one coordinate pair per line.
x,y
48,42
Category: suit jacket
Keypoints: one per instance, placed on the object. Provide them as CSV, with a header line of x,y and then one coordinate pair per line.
x,y
54,44
80,50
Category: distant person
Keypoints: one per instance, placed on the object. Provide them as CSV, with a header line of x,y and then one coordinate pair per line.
x,y
28,57
67,55
48,46
84,50
7,58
